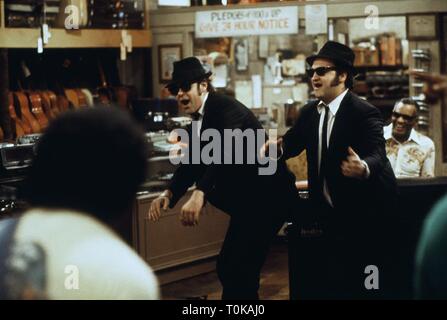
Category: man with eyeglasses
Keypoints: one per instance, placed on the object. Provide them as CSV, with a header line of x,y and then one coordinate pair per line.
x,y
350,180
256,204
411,153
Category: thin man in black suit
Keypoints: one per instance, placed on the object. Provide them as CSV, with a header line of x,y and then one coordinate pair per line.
x,y
257,204
351,183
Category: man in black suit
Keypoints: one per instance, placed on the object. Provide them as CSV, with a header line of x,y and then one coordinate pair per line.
x,y
352,185
257,203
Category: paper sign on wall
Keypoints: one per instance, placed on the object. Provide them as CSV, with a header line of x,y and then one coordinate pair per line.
x,y
257,90
316,19
243,22
244,92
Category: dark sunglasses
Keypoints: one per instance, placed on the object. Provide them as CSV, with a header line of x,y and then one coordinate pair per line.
x,y
405,117
175,88
321,71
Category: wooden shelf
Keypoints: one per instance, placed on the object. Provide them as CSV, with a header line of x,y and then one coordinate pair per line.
x,y
381,68
61,38
83,38
383,102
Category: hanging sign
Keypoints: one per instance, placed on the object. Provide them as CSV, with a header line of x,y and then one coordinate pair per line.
x,y
244,22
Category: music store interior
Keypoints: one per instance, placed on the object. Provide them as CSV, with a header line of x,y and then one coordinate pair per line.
x,y
120,54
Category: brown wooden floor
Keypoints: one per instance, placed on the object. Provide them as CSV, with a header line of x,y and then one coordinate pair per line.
x,y
274,281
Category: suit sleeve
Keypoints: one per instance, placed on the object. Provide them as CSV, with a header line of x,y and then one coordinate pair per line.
x,y
373,142
227,118
293,140
184,177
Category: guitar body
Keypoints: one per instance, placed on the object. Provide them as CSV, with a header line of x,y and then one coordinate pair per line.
x,y
72,97
63,103
46,105
88,97
37,110
81,98
20,127
26,114
16,123
54,102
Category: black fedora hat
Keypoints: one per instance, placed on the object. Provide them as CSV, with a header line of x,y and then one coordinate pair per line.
x,y
188,70
342,56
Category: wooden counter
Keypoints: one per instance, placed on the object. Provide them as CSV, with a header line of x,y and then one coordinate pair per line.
x,y
172,250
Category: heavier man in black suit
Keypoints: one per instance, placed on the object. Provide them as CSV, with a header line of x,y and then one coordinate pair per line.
x,y
352,185
256,203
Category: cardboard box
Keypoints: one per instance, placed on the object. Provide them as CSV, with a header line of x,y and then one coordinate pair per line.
x,y
383,44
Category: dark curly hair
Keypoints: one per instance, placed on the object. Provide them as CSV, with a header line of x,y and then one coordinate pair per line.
x,y
91,160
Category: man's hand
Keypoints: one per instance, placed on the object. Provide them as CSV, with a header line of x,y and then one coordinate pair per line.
x,y
353,166
189,215
162,201
435,85
266,147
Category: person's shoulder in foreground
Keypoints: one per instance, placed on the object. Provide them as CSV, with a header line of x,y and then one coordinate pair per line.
x,y
431,257
83,258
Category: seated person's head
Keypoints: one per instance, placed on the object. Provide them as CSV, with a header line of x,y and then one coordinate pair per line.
x,y
91,160
404,118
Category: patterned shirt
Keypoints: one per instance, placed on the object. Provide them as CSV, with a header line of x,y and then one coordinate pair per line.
x,y
59,254
412,158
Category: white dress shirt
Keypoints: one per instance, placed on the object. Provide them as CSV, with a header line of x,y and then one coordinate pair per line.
x,y
334,105
202,112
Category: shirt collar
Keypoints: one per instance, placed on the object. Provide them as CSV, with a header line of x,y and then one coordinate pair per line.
x,y
387,131
202,108
334,105
414,135
388,134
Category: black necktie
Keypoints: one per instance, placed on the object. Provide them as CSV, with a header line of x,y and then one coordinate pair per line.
x,y
323,146
196,116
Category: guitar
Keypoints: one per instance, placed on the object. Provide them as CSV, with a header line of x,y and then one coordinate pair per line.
x,y
105,94
20,127
53,100
22,101
17,126
81,98
72,97
88,97
47,105
36,109
63,103
30,100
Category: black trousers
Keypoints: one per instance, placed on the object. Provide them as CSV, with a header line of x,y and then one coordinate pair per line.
x,y
244,251
332,263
